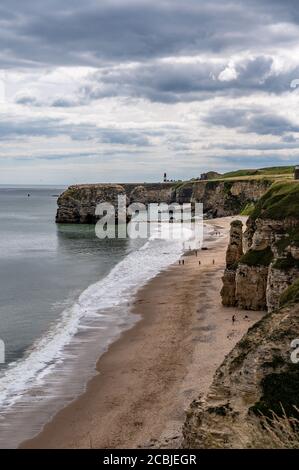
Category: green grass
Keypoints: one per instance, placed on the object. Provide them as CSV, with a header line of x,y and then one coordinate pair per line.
x,y
248,209
270,171
290,295
257,258
279,202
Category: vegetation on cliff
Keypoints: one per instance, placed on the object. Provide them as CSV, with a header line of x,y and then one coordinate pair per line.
x,y
279,202
248,209
270,171
291,237
279,394
257,257
290,295
286,263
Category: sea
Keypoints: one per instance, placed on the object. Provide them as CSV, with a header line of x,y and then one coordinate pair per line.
x,y
65,296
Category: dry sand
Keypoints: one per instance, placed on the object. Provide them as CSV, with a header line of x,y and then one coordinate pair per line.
x,y
149,376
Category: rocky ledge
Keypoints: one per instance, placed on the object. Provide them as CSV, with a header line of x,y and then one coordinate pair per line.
x,y
256,279
220,198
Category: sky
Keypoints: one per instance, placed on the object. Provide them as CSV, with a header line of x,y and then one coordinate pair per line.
x,y
123,90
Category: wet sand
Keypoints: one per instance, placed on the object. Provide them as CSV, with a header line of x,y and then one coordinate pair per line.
x,y
149,376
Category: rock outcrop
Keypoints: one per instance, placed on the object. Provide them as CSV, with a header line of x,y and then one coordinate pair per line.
x,y
220,198
77,205
210,175
251,285
258,376
270,263
233,255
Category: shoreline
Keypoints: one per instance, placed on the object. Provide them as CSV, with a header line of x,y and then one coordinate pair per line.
x,y
154,370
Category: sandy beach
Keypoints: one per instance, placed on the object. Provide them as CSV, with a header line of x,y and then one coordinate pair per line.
x,y
150,375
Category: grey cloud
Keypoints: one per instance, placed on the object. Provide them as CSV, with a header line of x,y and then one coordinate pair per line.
x,y
289,139
72,32
124,138
258,121
78,132
27,100
174,82
42,128
253,161
64,103
264,146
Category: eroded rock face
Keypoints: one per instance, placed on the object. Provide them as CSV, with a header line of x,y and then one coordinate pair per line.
x,y
235,246
278,281
251,285
269,266
220,198
233,255
256,376
223,198
78,203
228,291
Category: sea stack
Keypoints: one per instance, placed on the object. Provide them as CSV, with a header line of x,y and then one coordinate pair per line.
x,y
233,255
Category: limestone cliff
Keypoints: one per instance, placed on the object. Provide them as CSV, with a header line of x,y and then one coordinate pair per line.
x,y
220,198
271,261
260,375
78,203
257,376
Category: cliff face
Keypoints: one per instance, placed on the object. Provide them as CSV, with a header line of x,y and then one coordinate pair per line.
x,y
271,261
260,374
255,377
78,203
220,198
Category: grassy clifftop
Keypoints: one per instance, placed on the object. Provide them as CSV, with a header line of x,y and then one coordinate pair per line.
x,y
279,202
274,171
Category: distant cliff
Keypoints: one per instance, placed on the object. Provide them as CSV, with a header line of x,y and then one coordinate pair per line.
x,y
257,376
78,203
220,198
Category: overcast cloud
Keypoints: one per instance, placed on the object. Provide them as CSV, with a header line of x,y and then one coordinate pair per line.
x,y
123,90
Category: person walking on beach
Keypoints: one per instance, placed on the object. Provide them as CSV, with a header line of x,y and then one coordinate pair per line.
x,y
199,263
233,319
